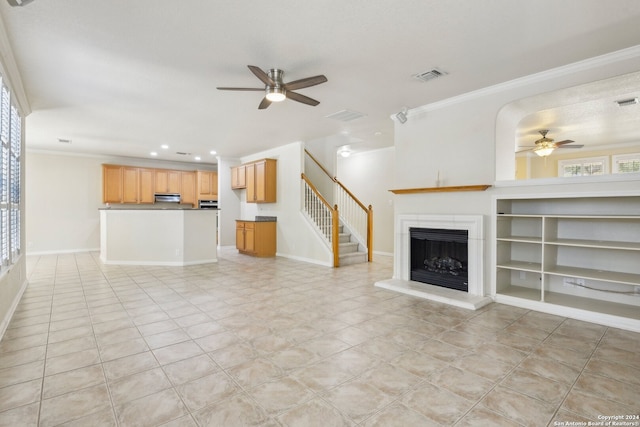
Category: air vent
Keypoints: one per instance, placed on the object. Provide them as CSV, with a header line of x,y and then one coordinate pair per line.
x,y
181,153
345,115
430,75
626,102
64,141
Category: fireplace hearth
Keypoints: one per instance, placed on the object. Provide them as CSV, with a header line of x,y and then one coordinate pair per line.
x,y
439,257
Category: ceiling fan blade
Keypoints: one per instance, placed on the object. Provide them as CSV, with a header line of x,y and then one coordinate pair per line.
x,y
241,88
307,82
264,77
571,146
264,104
301,98
566,141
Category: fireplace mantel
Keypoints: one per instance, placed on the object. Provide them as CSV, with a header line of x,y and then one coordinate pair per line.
x,y
482,187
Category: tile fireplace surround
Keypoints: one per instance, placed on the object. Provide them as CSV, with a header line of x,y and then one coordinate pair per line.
x,y
474,298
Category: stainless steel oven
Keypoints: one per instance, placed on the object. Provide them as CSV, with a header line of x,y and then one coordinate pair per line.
x,y
208,204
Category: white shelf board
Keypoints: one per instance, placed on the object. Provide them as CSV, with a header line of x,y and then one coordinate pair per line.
x,y
605,307
598,244
521,239
585,273
521,266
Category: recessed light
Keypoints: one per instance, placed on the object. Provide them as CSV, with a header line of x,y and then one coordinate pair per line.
x,y
212,152
197,158
164,146
153,153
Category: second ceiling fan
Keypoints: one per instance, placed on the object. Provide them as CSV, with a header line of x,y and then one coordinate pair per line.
x,y
545,146
276,90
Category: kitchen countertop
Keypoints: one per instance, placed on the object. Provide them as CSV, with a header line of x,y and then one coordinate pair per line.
x,y
260,219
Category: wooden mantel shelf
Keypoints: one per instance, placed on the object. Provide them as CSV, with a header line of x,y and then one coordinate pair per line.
x,y
441,189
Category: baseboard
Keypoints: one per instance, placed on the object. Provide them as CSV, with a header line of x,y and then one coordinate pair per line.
x,y
14,305
61,252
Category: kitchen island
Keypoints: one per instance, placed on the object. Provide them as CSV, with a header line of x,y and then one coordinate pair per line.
x,y
172,237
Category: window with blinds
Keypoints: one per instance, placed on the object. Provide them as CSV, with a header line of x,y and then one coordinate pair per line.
x,y
583,167
10,165
626,163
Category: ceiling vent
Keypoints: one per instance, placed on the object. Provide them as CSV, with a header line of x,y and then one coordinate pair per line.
x,y
626,102
429,75
345,115
64,141
182,153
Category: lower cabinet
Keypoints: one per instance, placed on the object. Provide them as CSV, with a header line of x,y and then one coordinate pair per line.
x,y
256,238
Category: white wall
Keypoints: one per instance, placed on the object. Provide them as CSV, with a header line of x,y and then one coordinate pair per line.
x,y
63,194
228,202
369,176
296,237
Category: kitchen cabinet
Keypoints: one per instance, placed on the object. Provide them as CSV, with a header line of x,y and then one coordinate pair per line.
x,y
111,184
126,184
167,181
188,188
238,177
261,181
574,257
207,182
256,238
137,185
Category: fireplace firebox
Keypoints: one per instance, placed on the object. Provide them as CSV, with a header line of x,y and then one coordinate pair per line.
x,y
440,257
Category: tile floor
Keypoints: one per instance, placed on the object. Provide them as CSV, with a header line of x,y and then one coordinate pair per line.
x,y
276,342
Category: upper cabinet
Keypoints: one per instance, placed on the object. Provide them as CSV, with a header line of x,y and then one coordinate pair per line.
x,y
188,187
261,181
125,184
238,177
111,184
167,181
207,185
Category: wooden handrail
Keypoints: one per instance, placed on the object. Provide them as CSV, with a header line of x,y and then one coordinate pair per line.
x,y
335,222
316,192
346,190
319,165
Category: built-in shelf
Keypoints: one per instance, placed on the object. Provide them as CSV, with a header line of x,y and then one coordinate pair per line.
x,y
441,189
574,257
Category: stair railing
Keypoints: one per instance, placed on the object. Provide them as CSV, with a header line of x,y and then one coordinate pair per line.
x,y
357,216
325,217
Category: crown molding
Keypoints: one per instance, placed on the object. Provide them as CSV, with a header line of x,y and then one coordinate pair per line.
x,y
584,65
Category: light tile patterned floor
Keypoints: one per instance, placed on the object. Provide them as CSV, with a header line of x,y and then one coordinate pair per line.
x,y
276,342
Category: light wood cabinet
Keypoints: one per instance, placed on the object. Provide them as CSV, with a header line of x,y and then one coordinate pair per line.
x,y
261,181
126,184
111,184
256,238
188,188
238,177
575,257
167,181
207,182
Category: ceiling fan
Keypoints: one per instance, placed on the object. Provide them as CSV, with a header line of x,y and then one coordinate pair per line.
x,y
545,146
276,90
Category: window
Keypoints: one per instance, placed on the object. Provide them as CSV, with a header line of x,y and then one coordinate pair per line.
x,y
583,167
626,163
10,164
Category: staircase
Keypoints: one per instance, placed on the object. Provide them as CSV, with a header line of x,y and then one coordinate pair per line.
x,y
351,252
346,225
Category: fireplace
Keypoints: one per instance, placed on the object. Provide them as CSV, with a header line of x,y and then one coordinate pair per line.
x,y
439,257
469,226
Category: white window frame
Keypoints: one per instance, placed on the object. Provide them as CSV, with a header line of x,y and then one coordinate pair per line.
x,y
604,160
618,158
11,161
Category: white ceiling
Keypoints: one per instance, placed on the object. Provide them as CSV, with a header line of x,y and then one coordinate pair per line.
x,y
122,77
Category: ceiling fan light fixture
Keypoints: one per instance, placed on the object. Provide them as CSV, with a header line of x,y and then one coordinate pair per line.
x,y
275,94
543,151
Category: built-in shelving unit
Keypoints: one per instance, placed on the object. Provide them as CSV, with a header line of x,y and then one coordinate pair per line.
x,y
576,257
